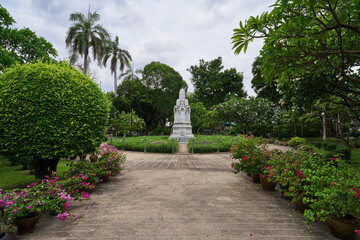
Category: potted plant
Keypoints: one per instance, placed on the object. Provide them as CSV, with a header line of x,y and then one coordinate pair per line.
x,y
337,191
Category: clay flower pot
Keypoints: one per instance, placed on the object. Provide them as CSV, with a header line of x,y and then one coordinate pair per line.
x,y
266,185
343,228
255,177
27,225
104,178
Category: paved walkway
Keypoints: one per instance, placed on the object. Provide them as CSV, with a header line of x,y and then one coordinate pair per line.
x,y
179,196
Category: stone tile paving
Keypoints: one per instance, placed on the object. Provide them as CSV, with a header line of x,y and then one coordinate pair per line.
x,y
170,196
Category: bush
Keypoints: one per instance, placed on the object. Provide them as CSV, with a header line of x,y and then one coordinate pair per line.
x,y
330,147
306,148
50,111
208,144
318,145
156,144
344,152
295,141
324,145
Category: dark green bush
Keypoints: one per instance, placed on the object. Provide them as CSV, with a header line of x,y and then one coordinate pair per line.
x,y
344,151
324,145
330,147
318,145
208,144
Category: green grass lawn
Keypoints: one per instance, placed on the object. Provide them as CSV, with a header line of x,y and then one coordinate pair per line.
x,y
14,177
209,143
157,144
328,140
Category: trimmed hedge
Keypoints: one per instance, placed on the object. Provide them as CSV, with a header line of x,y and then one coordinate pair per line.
x,y
155,144
208,144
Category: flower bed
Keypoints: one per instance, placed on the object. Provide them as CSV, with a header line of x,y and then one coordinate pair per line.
x,y
156,144
326,188
55,194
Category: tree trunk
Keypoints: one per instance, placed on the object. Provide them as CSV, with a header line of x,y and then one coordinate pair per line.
x,y
86,62
147,128
44,167
115,82
324,128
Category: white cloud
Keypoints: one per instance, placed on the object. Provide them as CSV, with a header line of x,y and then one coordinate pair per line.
x,y
177,33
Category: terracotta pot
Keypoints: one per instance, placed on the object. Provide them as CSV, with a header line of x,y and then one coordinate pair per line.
x,y
266,185
255,177
343,228
105,178
27,224
300,206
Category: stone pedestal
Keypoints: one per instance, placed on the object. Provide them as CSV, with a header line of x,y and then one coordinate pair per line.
x,y
182,129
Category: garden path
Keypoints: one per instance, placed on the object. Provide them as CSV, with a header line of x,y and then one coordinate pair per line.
x,y
181,196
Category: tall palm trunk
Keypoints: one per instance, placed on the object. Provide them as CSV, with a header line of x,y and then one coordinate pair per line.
x,y
115,82
86,61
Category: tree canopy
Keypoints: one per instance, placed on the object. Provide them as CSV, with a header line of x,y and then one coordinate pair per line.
x,y
153,96
21,45
309,43
212,84
85,35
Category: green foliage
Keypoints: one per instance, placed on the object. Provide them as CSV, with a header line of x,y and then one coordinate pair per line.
x,y
209,144
318,145
295,56
123,126
250,114
53,108
201,118
84,35
324,145
157,144
212,85
249,155
344,152
331,147
152,97
22,45
296,141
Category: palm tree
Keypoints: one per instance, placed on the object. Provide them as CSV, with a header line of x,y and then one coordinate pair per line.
x,y
113,51
84,35
130,74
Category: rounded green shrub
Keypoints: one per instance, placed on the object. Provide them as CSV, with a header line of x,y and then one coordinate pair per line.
x,y
324,145
318,145
344,151
49,111
295,141
330,147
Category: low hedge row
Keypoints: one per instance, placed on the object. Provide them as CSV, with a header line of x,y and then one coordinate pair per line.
x,y
154,144
210,143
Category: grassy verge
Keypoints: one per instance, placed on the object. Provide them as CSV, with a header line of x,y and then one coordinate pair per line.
x,y
209,143
156,144
14,177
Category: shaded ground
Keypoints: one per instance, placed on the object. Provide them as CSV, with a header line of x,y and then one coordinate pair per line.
x,y
181,196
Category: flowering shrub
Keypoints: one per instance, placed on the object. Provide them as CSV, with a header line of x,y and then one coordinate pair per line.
x,y
250,156
111,159
336,190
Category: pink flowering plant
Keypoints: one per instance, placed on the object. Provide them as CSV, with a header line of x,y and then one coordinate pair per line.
x,y
249,156
77,186
111,159
336,188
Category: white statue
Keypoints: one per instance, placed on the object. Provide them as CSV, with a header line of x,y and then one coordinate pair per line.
x,y
182,129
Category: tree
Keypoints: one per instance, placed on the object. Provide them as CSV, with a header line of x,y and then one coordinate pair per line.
x,y
307,41
50,111
153,96
130,74
117,55
22,45
85,35
212,85
249,114
262,88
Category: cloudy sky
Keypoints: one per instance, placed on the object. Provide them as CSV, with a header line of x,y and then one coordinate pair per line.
x,y
176,32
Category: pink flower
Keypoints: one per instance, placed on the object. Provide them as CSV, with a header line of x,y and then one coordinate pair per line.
x,y
66,205
30,206
334,183
357,231
63,216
